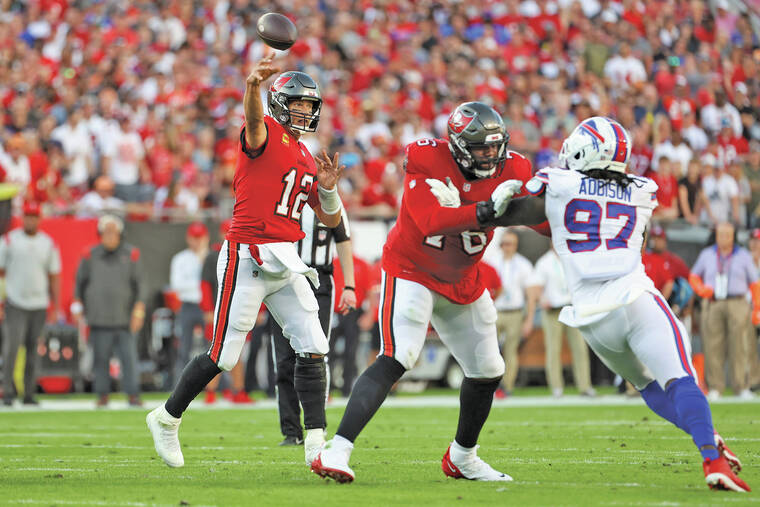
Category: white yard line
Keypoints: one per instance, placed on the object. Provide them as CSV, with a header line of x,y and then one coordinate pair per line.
x,y
403,401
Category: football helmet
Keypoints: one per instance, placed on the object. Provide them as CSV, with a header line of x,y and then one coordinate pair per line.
x,y
291,86
474,125
597,143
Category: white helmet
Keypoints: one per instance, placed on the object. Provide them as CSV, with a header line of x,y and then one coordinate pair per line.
x,y
597,143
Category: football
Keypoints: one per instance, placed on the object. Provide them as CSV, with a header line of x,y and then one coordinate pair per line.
x,y
276,30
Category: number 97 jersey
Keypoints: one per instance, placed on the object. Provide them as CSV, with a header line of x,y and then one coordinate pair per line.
x,y
597,225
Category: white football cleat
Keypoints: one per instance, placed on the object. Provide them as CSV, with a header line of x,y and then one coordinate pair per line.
x,y
332,463
165,428
313,443
472,468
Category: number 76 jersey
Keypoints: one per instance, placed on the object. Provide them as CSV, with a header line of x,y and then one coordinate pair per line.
x,y
597,226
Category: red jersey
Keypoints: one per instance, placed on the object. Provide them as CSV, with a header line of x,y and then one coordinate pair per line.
x,y
440,247
272,184
655,269
675,266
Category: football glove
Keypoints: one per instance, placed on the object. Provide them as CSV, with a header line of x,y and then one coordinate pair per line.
x,y
493,208
446,193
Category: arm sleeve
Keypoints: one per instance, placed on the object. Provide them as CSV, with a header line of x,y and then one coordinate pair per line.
x,y
54,263
431,217
82,278
342,232
136,282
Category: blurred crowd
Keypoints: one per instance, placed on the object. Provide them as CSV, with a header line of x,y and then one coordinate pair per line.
x,y
136,106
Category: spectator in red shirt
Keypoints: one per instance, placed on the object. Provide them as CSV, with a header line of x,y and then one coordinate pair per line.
x,y
655,269
667,191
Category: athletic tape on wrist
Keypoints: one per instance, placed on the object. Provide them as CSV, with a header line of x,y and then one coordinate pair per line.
x,y
329,199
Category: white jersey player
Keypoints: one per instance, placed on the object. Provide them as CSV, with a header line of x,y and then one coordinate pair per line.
x,y
598,216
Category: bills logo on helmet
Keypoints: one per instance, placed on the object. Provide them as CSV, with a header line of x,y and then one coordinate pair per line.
x,y
459,121
588,127
279,83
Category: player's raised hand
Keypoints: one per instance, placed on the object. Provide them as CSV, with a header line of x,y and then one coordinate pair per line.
x,y
446,193
328,170
263,69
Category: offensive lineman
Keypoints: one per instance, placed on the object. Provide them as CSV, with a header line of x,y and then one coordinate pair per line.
x,y
431,275
274,178
598,216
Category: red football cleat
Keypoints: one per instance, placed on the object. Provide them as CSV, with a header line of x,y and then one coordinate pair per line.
x,y
241,397
210,397
227,394
500,394
733,461
718,475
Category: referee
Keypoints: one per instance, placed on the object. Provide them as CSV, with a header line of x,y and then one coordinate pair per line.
x,y
316,250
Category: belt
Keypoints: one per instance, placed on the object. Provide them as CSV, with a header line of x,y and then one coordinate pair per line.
x,y
730,297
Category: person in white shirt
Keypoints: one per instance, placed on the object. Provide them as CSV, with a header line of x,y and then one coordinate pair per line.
x,y
99,200
30,267
721,193
673,148
624,70
514,271
693,133
713,115
548,285
124,161
15,162
185,281
77,145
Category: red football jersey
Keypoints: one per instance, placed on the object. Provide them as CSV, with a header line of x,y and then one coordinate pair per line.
x,y
440,247
272,184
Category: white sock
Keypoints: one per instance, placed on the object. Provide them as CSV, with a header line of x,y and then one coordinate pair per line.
x,y
342,444
459,453
315,434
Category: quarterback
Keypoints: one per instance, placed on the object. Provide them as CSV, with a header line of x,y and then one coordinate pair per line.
x,y
431,275
275,178
598,216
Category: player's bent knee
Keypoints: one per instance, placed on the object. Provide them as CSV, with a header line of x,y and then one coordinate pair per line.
x,y
227,363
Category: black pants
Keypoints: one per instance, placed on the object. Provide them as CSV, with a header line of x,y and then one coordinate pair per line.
x,y
104,341
346,331
285,360
21,327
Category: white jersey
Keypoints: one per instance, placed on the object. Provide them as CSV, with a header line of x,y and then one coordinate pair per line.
x,y
598,232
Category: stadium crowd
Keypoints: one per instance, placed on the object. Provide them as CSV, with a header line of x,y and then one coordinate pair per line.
x,y
136,107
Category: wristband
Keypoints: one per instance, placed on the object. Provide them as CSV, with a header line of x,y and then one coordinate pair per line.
x,y
76,308
348,287
329,199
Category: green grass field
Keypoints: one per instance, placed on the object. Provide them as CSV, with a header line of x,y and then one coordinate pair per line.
x,y
597,455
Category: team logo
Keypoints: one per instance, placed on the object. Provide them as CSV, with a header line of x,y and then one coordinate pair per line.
x,y
322,235
466,187
459,121
589,128
412,183
285,138
279,83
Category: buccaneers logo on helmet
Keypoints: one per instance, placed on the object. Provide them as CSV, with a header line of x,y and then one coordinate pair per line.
x,y
459,121
279,83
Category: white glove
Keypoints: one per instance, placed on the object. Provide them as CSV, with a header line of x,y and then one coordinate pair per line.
x,y
446,193
503,194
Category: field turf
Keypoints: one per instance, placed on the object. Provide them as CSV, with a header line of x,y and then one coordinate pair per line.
x,y
590,455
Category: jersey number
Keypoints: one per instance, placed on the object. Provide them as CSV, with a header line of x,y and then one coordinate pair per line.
x,y
591,221
473,242
284,208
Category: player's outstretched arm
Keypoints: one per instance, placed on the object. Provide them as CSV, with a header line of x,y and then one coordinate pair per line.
x,y
255,131
328,174
521,211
